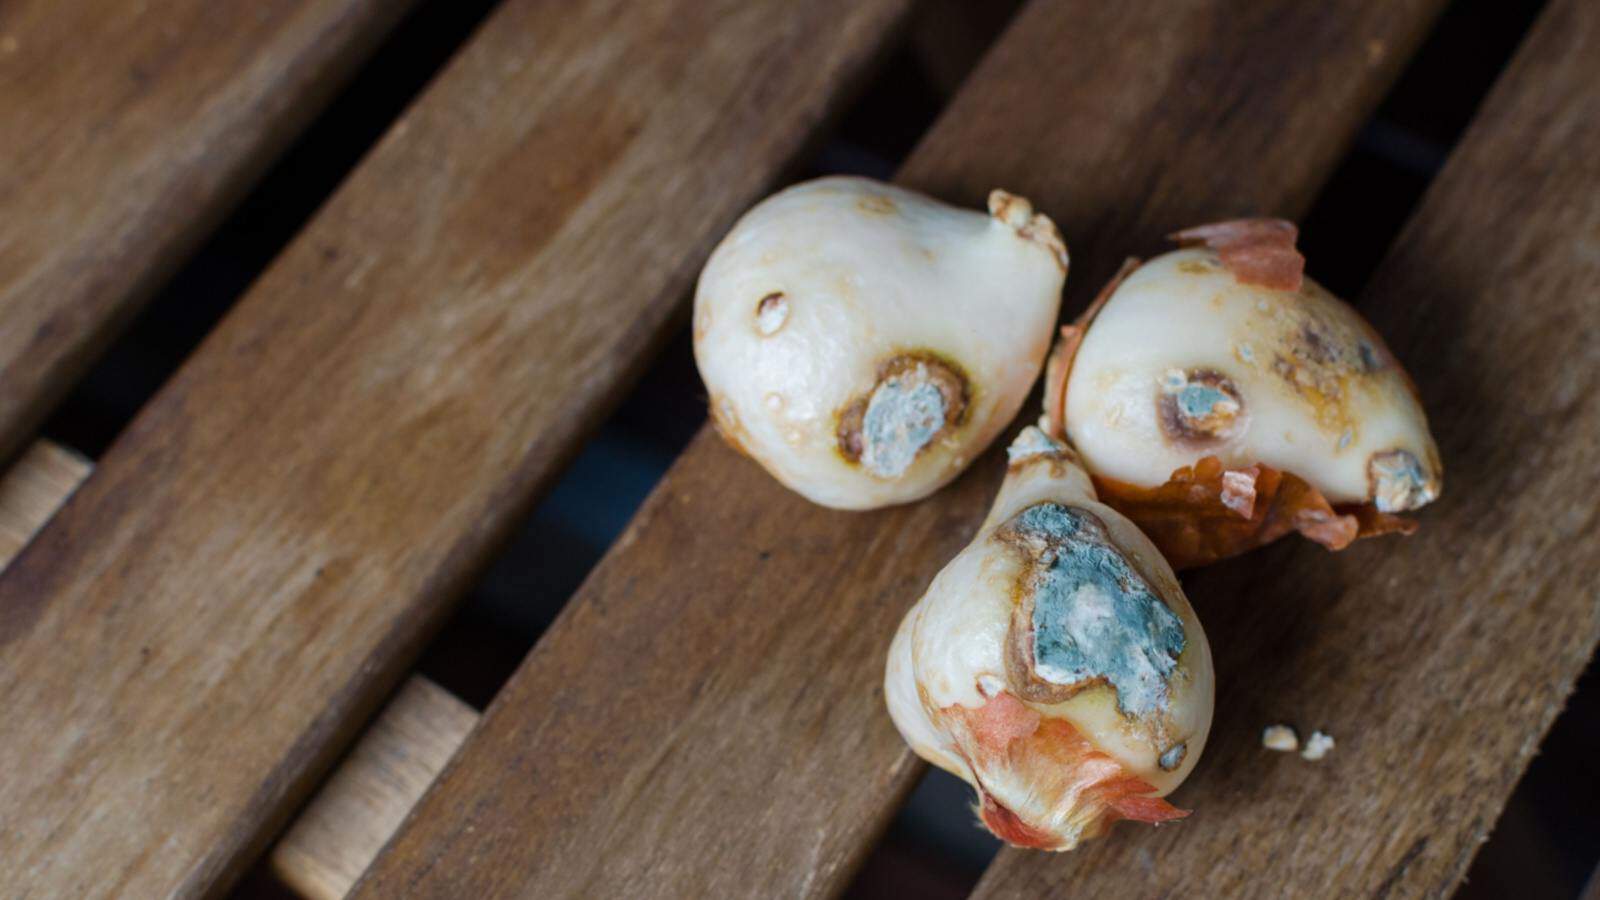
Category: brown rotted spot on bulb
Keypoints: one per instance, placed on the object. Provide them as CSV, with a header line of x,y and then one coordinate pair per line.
x,y
916,397
1324,360
850,417
1199,407
1022,678
1317,346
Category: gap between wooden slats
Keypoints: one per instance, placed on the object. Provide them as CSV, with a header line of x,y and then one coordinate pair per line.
x,y
704,718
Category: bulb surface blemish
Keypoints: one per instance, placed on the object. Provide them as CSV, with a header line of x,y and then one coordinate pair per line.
x,y
877,204
771,313
1173,757
1369,357
1198,400
1094,619
1199,406
916,398
904,414
1398,482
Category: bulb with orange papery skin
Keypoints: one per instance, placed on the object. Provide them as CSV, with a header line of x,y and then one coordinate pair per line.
x,y
1221,399
1055,664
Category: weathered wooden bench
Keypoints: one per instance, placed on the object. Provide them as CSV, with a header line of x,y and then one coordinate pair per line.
x,y
197,637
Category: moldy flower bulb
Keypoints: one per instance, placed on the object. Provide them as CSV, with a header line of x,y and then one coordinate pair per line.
x,y
863,343
1055,664
1220,399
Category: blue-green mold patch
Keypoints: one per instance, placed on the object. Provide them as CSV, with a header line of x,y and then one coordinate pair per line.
x,y
1198,405
904,414
1094,617
1198,400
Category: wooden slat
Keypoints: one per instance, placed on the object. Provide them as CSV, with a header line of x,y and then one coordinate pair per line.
x,y
1437,662
359,807
705,717
188,644
129,129
32,490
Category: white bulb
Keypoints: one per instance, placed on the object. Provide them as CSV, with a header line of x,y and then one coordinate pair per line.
x,y
864,343
1055,664
1196,360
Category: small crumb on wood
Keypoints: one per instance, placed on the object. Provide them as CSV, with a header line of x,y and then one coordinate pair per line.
x,y
1317,746
1281,738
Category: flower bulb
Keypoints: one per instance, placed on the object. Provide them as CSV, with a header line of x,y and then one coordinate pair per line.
x,y
1221,399
1055,664
864,343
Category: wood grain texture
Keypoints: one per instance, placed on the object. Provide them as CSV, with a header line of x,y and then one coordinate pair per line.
x,y
705,718
188,644
1437,662
359,807
340,831
31,491
130,128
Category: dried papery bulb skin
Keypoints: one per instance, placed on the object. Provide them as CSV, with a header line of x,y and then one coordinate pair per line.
x,y
1055,664
864,343
1221,399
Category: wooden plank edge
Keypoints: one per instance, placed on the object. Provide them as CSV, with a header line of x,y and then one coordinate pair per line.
x,y
362,804
31,491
